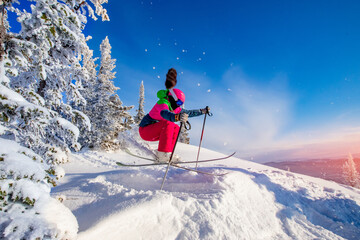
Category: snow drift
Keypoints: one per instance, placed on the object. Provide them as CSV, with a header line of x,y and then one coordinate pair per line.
x,y
252,201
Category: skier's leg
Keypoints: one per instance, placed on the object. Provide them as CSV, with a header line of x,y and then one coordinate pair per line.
x,y
167,136
175,133
151,132
175,157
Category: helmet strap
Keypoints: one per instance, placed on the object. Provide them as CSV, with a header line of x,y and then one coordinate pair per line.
x,y
173,94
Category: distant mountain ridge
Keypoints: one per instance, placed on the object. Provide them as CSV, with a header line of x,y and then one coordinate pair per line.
x,y
328,169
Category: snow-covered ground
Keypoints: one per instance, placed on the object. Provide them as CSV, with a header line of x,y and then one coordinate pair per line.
x,y
252,201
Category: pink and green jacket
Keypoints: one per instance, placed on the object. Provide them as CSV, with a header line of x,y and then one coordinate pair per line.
x,y
162,110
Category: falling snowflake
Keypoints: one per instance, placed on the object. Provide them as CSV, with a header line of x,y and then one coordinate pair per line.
x,y
154,68
198,84
209,90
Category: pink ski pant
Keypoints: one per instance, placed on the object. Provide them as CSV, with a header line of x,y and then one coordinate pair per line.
x,y
163,131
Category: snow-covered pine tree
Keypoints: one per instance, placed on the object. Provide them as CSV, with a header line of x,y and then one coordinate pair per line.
x,y
3,27
39,68
140,111
41,61
20,168
351,176
26,178
88,92
106,73
56,29
89,65
108,116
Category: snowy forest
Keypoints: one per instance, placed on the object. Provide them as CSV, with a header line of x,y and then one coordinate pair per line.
x,y
54,99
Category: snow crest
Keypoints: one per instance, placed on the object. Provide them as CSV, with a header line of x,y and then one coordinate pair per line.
x,y
251,202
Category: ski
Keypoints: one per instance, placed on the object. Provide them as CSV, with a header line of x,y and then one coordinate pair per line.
x,y
138,156
172,164
155,164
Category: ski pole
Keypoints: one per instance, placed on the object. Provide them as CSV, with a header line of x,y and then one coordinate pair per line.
x,y
202,134
171,156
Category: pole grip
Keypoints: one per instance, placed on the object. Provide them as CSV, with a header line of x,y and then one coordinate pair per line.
x,y
208,111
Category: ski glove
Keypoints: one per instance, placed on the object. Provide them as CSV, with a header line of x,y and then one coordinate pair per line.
x,y
205,110
182,117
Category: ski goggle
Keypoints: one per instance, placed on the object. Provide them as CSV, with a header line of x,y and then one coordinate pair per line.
x,y
177,100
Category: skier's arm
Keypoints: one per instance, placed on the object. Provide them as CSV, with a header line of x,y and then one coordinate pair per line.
x,y
147,120
166,114
192,113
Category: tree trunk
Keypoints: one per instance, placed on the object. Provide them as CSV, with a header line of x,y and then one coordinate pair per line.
x,y
41,88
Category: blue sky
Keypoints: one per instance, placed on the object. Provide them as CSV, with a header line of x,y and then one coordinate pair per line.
x,y
280,76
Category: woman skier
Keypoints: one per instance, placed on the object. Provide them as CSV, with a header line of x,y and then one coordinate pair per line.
x,y
159,124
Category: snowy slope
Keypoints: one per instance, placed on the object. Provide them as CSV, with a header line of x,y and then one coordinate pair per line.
x,y
252,201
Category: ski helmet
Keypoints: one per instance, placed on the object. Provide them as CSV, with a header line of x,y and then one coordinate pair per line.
x,y
178,96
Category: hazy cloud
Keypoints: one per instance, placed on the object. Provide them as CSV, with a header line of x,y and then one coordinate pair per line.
x,y
255,119
250,116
